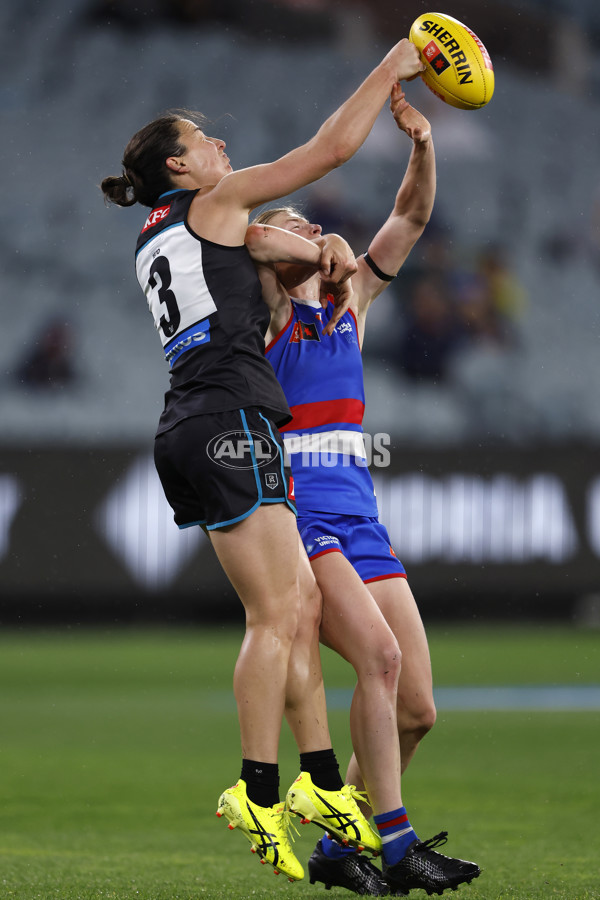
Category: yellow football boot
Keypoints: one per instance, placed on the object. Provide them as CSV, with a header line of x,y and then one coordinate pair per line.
x,y
266,827
335,811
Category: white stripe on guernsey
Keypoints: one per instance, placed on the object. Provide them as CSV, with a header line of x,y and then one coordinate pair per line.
x,y
396,834
338,442
316,304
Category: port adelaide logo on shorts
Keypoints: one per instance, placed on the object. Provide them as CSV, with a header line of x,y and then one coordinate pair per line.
x,y
242,449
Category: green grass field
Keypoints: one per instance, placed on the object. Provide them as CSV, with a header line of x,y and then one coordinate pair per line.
x,y
114,747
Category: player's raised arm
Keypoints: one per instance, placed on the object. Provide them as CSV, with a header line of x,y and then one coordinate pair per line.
x,y
330,254
335,142
269,244
411,212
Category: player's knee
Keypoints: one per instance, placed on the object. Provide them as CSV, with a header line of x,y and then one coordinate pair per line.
x,y
280,614
314,605
419,718
392,660
311,605
383,663
426,718
294,613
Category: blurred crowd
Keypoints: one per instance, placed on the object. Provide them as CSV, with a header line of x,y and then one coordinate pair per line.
x,y
482,303
440,306
565,35
450,305
49,362
445,299
288,19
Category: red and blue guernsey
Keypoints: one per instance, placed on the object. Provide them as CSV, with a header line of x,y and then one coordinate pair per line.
x,y
322,378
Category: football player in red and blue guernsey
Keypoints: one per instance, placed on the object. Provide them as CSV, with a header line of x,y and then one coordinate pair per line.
x,y
369,613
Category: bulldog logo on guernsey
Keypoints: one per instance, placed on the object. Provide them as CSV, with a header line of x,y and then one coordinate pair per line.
x,y
304,331
243,450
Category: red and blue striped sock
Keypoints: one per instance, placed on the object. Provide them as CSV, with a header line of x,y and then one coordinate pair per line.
x,y
396,834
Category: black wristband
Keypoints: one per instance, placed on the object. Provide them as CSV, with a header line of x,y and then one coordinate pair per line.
x,y
376,270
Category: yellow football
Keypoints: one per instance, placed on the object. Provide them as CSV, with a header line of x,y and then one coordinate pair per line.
x,y
458,67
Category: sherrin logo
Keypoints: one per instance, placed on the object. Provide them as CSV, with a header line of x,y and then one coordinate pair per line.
x,y
452,46
243,450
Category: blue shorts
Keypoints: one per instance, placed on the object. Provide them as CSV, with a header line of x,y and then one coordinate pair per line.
x,y
363,540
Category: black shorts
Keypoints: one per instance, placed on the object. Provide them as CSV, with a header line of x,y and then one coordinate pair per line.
x,y
217,468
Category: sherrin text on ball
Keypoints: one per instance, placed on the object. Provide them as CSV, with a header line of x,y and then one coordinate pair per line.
x,y
458,67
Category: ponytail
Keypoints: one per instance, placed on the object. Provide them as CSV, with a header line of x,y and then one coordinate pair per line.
x,y
118,189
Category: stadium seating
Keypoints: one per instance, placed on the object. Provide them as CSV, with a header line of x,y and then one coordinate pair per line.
x,y
515,173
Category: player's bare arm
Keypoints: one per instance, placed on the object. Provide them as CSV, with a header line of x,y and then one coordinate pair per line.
x,y
269,244
277,299
330,254
334,143
337,266
412,208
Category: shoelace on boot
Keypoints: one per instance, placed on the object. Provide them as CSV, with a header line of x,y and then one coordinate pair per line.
x,y
355,794
437,841
286,820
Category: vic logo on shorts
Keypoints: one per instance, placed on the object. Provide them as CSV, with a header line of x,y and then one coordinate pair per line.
x,y
242,450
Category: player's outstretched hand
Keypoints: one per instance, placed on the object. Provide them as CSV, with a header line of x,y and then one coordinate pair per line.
x,y
408,118
338,293
406,60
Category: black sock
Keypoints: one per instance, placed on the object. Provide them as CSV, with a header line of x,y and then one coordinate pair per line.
x,y
323,768
262,782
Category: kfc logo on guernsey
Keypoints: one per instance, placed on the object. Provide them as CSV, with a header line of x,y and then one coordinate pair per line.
x,y
156,216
